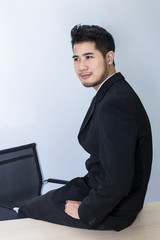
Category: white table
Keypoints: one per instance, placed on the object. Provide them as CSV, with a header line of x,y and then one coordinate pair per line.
x,y
146,227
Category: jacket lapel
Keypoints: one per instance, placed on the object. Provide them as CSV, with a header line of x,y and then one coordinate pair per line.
x,y
100,94
88,114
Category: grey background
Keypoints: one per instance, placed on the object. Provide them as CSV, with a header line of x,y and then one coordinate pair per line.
x,y
41,99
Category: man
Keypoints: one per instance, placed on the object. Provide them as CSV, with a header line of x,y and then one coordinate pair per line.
x,y
117,135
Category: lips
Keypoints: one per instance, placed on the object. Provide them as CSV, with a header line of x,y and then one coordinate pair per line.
x,y
85,75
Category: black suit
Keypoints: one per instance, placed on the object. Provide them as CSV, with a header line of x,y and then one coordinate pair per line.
x,y
117,135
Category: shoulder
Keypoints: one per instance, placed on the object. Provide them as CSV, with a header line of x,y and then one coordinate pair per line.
x,y
120,101
119,94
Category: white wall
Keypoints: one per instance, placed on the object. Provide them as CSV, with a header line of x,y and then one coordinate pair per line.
x,y
41,99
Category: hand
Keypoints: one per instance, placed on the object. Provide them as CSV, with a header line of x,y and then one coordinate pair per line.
x,y
71,208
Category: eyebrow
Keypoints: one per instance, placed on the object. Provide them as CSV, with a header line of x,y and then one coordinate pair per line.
x,y
85,54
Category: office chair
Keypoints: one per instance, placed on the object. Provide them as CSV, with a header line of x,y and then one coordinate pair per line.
x,y
20,178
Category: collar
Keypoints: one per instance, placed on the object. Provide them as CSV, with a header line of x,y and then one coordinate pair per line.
x,y
106,85
105,81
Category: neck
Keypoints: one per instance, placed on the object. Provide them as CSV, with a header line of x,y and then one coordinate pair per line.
x,y
112,72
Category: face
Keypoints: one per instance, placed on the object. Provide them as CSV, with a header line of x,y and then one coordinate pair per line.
x,y
90,65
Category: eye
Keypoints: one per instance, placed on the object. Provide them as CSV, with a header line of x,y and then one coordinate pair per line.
x,y
88,57
76,59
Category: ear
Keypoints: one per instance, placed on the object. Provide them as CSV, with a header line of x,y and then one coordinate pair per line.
x,y
110,57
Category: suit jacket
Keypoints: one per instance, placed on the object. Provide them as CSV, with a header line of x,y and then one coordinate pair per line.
x,y
116,133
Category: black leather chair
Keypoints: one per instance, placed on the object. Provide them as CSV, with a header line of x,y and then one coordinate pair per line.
x,y
20,178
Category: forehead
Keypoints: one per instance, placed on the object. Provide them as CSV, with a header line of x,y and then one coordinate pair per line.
x,y
81,48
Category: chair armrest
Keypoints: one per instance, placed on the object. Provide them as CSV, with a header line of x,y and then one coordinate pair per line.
x,y
53,180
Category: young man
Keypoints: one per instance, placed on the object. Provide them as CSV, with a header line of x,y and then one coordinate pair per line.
x,y
116,133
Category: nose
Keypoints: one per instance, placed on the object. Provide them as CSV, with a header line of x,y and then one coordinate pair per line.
x,y
83,65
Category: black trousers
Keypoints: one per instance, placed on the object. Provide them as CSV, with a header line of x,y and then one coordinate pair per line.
x,y
47,209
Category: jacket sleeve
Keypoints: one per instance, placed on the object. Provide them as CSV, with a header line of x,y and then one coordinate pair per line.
x,y
117,134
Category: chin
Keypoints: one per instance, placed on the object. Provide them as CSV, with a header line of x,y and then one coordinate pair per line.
x,y
85,84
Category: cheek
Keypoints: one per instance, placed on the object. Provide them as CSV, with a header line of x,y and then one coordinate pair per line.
x,y
98,64
99,68
102,68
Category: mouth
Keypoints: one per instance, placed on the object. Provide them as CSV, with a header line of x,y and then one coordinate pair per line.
x,y
85,75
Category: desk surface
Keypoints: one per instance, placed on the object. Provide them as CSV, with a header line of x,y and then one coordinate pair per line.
x,y
146,227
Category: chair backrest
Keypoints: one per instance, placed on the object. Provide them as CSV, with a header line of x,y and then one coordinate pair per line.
x,y
20,175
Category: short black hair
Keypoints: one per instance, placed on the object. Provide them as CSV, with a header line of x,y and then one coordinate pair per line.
x,y
103,40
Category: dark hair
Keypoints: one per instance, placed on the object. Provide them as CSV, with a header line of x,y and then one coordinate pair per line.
x,y
103,40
